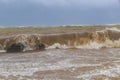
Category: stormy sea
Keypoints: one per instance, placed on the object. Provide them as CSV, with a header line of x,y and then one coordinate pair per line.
x,y
70,53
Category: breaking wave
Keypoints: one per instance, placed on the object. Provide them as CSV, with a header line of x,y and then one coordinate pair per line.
x,y
109,37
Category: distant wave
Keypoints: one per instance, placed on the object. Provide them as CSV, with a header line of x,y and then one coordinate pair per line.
x,y
109,37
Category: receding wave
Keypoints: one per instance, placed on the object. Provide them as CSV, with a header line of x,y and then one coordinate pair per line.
x,y
109,37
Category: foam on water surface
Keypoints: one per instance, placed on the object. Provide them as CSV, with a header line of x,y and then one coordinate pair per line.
x,y
108,37
83,64
75,56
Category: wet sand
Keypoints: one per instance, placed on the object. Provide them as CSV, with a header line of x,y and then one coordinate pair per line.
x,y
62,64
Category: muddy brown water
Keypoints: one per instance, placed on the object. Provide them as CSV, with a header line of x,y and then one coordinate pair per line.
x,y
85,60
62,64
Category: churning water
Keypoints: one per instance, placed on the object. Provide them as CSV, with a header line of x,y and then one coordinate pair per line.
x,y
68,56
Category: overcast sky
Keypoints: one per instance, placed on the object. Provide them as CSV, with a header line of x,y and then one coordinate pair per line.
x,y
59,12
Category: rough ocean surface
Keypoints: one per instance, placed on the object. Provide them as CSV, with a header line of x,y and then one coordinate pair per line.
x,y
61,64
91,56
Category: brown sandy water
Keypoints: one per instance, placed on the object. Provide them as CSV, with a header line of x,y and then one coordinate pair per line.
x,y
61,64
77,54
108,37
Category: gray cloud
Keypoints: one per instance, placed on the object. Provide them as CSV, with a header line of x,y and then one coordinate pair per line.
x,y
58,12
69,3
77,2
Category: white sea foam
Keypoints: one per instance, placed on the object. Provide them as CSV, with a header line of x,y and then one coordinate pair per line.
x,y
91,45
26,68
57,45
67,60
2,51
113,71
111,29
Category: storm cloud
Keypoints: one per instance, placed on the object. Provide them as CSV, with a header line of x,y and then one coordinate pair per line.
x,y
59,12
87,3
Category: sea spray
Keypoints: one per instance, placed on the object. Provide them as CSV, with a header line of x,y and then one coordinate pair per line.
x,y
108,37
